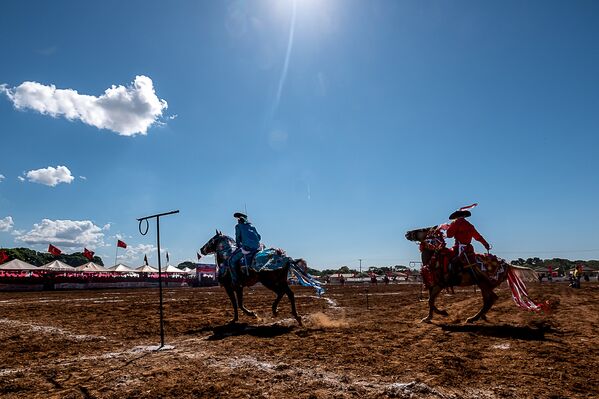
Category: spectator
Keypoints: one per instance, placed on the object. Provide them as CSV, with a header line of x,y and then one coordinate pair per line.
x,y
577,276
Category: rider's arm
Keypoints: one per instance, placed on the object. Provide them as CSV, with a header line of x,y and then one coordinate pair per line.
x,y
476,235
238,235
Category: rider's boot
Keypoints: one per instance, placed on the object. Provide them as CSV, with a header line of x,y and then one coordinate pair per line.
x,y
245,265
454,272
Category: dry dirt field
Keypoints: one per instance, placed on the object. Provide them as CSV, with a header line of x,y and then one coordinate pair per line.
x,y
98,344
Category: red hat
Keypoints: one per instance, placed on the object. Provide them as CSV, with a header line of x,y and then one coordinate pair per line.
x,y
459,214
463,212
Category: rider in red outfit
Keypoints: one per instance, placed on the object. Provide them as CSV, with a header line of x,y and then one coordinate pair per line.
x,y
464,232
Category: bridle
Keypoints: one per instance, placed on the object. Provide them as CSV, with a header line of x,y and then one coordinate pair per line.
x,y
223,247
433,241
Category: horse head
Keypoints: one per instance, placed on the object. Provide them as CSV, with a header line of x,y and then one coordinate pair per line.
x,y
431,240
419,234
215,244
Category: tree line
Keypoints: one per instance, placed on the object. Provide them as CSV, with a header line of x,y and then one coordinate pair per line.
x,y
36,258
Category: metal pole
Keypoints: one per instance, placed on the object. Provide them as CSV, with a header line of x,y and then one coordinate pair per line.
x,y
157,216
160,282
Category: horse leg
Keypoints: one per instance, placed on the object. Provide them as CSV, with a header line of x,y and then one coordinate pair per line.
x,y
231,295
275,304
432,295
291,296
489,298
438,311
240,303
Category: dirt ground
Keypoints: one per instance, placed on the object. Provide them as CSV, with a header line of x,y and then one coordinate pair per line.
x,y
355,342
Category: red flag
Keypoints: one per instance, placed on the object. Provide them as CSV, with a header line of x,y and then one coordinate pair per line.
x,y
3,256
121,244
146,260
199,256
88,254
53,250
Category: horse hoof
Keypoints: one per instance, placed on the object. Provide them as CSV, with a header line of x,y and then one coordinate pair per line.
x,y
444,313
471,320
254,315
232,322
426,320
299,320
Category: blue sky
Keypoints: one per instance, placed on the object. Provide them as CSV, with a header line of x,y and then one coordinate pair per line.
x,y
390,116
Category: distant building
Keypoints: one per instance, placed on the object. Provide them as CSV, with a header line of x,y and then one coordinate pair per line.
x,y
206,274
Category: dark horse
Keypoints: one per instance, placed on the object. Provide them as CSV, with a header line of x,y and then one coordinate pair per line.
x,y
275,280
487,273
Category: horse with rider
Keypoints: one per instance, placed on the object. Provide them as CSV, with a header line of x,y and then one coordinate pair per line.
x,y
244,262
444,267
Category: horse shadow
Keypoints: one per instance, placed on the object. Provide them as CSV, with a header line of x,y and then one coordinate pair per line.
x,y
525,333
238,329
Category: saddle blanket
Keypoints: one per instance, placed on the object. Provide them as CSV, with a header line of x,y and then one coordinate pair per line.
x,y
270,259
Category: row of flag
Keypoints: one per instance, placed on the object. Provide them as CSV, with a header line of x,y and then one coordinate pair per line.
x,y
56,251
86,252
90,254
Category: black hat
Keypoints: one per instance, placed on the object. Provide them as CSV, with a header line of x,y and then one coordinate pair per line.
x,y
459,214
239,215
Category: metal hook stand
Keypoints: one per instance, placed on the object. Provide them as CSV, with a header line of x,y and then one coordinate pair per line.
x,y
143,233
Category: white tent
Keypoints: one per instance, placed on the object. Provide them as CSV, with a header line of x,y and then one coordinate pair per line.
x,y
91,267
16,264
58,266
146,269
173,269
120,268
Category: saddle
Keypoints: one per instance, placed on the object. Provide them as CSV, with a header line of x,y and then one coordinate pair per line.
x,y
247,261
266,260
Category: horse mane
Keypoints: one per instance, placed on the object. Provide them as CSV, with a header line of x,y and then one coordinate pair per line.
x,y
230,239
419,234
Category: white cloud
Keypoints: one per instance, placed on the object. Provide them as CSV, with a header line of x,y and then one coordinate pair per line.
x,y
126,110
1,177
135,253
83,177
50,176
6,224
67,233
21,178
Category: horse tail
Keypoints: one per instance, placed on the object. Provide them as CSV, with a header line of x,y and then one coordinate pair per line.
x,y
524,273
516,275
303,277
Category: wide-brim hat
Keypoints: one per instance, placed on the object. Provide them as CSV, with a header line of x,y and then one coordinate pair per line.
x,y
239,215
459,214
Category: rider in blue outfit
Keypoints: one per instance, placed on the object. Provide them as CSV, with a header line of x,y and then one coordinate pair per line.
x,y
247,239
